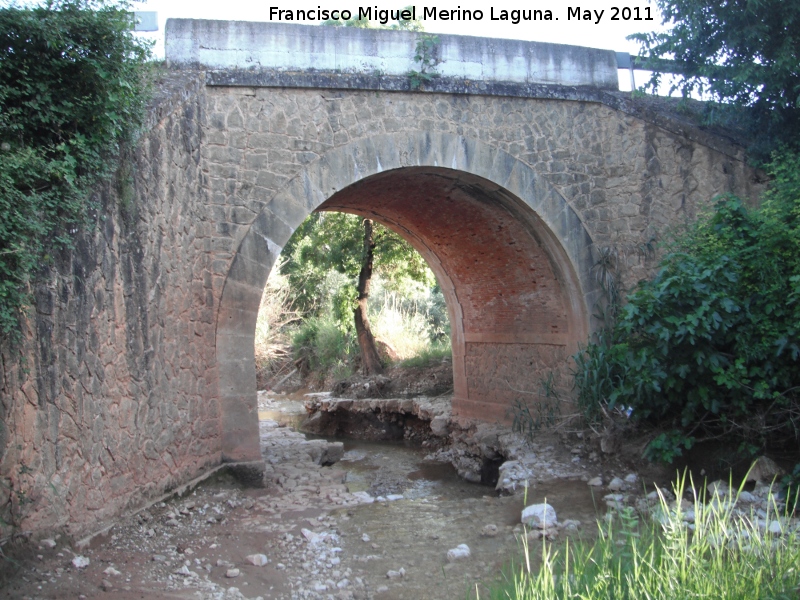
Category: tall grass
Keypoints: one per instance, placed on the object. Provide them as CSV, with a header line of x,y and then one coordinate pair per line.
x,y
723,554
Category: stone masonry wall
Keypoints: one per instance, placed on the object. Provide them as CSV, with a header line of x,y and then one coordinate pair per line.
x,y
627,179
115,400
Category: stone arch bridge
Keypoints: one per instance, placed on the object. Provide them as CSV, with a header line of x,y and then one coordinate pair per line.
x,y
509,173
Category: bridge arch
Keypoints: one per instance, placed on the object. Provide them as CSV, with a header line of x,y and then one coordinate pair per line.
x,y
512,257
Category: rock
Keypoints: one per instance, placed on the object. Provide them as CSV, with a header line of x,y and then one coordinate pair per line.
x,y
112,572
775,528
539,515
631,478
80,562
746,498
616,484
596,482
470,475
184,570
231,573
48,543
571,525
258,560
106,585
159,558
365,538
765,470
381,589
440,426
395,574
224,563
173,522
718,488
460,552
489,530
332,453
393,497
363,497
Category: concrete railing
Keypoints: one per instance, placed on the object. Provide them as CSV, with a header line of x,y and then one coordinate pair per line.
x,y
285,47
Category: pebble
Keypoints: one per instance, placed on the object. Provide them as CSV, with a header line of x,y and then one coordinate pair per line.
x,y
616,484
258,560
231,573
112,572
48,543
80,562
460,552
401,572
539,515
489,530
596,482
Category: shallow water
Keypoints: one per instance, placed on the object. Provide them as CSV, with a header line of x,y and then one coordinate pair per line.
x,y
437,512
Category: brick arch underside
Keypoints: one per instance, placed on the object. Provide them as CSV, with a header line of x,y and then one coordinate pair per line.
x,y
511,256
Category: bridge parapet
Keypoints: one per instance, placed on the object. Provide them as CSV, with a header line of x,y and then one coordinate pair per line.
x,y
286,47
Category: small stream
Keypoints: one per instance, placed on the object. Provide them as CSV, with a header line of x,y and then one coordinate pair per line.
x,y
428,510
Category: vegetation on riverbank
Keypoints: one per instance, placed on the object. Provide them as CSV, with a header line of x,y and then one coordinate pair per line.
x,y
73,83
708,349
702,548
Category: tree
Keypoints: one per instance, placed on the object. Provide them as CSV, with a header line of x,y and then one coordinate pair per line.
x,y
370,359
357,248
742,52
71,95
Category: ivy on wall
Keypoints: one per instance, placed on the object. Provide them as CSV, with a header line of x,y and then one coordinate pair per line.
x,y
72,95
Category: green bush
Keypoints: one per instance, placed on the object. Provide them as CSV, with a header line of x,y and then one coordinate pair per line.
x,y
709,348
71,95
324,344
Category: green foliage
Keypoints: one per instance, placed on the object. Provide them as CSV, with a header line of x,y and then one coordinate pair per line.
x,y
544,413
433,354
324,344
328,241
709,348
791,483
323,260
742,52
724,555
71,95
426,56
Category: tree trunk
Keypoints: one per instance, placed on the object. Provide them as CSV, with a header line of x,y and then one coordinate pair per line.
x,y
370,360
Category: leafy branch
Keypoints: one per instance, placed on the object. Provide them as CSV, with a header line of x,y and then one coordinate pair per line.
x,y
426,56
